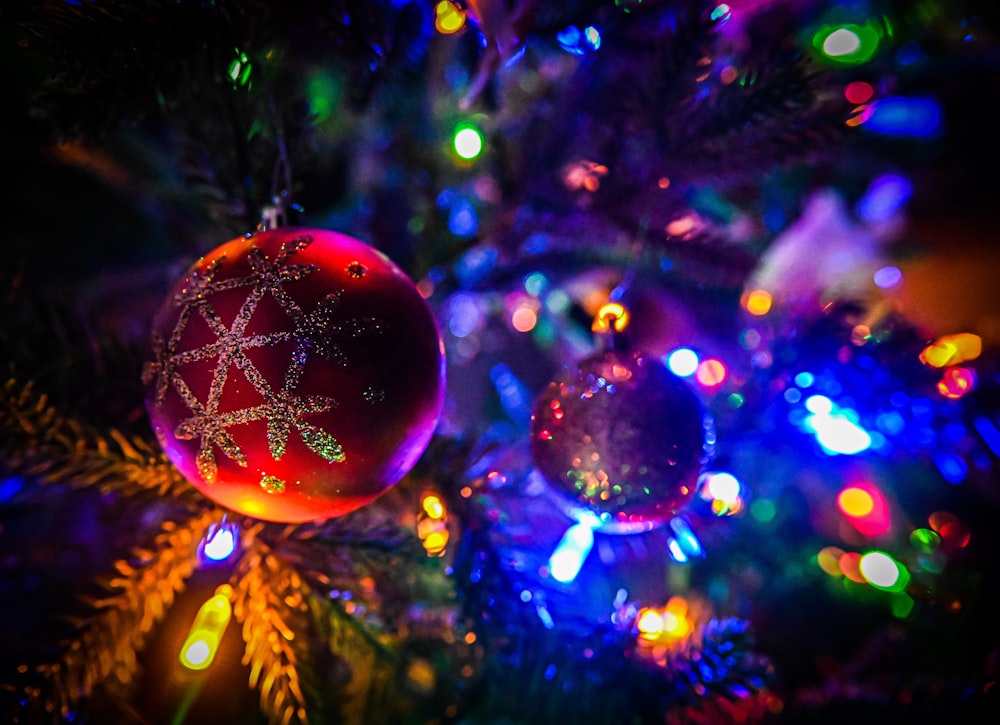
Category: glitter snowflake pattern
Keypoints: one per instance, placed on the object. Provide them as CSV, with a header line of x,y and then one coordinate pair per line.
x,y
314,333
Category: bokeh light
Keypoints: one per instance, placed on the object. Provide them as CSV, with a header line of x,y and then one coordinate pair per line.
x,y
757,302
925,540
858,92
848,44
683,362
904,117
433,506
883,572
828,560
711,373
855,502
887,277
449,17
952,350
524,319
954,534
649,623
571,552
866,508
468,142
956,382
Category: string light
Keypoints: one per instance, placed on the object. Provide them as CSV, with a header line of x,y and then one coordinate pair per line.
x,y
571,551
467,141
449,17
432,525
952,350
219,543
202,641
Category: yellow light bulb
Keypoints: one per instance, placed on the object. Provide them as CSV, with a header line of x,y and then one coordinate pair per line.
x,y
206,631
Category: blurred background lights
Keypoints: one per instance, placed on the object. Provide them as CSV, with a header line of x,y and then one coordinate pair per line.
x,y
524,319
465,314
904,117
952,350
462,218
858,92
649,623
468,142
722,490
849,564
956,382
711,373
432,527
805,380
683,543
925,540
848,44
758,302
839,435
842,41
683,362
449,17
835,428
828,560
952,467
722,12
884,197
855,502
670,623
883,572
433,506
864,506
819,405
954,534
887,277
578,42
988,431
722,486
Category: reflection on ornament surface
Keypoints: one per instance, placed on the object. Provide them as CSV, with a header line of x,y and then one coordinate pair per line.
x,y
622,437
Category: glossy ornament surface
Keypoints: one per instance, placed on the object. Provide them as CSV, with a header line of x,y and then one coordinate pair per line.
x,y
296,374
622,437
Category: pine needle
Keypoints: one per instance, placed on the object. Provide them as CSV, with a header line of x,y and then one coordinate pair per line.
x,y
39,441
105,652
271,602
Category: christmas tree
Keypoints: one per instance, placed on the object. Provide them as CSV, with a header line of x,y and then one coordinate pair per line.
x,y
402,361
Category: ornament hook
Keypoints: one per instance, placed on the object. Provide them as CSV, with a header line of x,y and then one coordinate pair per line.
x,y
610,322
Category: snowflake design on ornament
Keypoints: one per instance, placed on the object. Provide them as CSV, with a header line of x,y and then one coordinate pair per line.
x,y
315,332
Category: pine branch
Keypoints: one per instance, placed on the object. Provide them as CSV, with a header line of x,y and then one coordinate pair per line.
x,y
37,440
779,113
105,653
272,603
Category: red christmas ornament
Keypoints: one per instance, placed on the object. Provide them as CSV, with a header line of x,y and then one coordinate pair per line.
x,y
297,374
623,438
